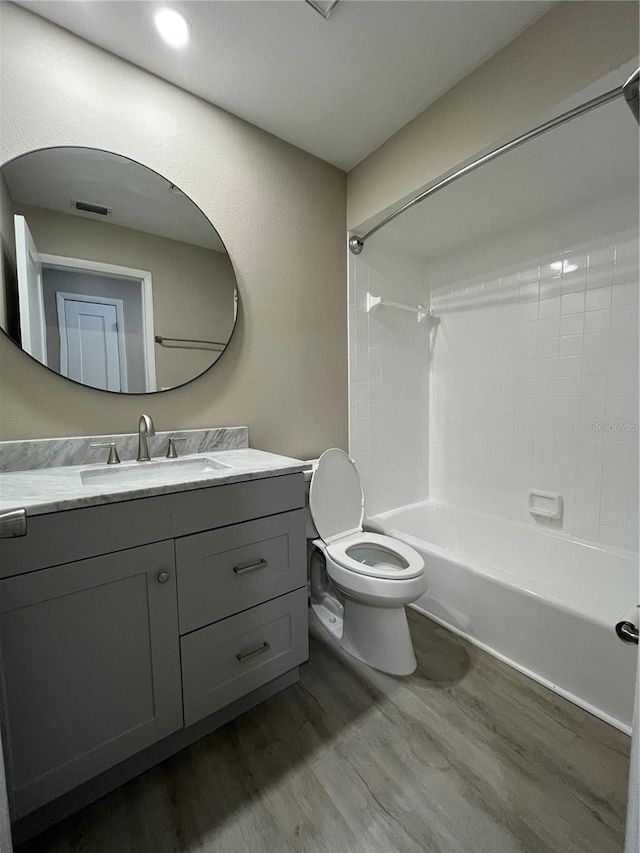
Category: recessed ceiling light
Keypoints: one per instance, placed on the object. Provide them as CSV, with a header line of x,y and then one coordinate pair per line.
x,y
173,27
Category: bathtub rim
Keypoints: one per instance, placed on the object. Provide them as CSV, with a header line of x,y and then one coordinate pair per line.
x,y
538,531
555,596
603,619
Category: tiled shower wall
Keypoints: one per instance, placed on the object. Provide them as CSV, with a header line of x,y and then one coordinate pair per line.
x,y
534,385
388,381
525,379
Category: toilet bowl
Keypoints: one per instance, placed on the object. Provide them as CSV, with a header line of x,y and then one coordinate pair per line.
x,y
360,581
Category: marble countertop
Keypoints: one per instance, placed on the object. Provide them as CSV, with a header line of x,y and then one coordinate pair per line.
x,y
46,490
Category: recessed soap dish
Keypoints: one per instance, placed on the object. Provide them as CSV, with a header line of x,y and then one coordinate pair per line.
x,y
545,504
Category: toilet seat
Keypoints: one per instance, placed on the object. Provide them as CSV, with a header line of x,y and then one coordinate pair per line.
x,y
336,499
336,503
409,564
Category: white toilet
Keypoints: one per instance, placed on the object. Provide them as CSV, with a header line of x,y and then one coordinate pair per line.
x,y
359,590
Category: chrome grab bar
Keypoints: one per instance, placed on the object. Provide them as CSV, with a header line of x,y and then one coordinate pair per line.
x,y
191,343
248,655
13,523
241,570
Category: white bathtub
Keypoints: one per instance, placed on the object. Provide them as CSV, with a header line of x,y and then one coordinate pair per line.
x,y
544,604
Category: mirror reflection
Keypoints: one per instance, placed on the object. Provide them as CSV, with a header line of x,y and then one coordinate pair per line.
x,y
110,275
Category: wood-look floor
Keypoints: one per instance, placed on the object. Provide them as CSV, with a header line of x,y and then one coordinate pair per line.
x,y
465,756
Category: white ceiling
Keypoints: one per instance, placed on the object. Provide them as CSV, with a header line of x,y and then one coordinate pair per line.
x,y
336,88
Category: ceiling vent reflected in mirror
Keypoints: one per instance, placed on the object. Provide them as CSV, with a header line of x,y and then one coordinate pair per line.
x,y
87,207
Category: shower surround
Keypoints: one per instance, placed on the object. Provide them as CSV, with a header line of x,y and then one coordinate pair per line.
x,y
524,378
534,385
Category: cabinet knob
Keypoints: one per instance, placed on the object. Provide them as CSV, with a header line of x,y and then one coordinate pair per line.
x,y
163,577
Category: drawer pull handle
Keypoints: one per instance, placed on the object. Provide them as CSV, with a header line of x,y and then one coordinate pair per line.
x,y
248,655
241,570
163,577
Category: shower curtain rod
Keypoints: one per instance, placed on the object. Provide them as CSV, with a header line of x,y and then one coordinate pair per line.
x,y
629,91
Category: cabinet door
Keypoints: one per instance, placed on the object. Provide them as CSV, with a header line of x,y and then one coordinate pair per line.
x,y
89,666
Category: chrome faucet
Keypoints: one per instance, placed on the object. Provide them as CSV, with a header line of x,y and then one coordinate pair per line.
x,y
145,429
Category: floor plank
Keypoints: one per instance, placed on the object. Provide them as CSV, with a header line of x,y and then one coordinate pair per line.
x,y
464,756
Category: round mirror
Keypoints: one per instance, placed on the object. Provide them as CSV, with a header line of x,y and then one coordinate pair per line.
x,y
110,275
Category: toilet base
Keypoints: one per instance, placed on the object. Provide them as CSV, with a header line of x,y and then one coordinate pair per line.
x,y
377,636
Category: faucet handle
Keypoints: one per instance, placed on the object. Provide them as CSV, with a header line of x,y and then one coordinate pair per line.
x,y
113,459
171,449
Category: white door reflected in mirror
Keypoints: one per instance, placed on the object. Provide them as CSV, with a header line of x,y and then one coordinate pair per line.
x,y
92,343
32,326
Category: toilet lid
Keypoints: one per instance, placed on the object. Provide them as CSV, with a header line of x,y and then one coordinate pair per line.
x,y
336,499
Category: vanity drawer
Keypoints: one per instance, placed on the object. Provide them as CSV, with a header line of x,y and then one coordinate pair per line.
x,y
222,662
224,571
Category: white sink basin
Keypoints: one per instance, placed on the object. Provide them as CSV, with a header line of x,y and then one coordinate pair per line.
x,y
160,471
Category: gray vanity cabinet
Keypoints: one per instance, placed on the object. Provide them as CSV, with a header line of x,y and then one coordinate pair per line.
x,y
130,630
89,667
